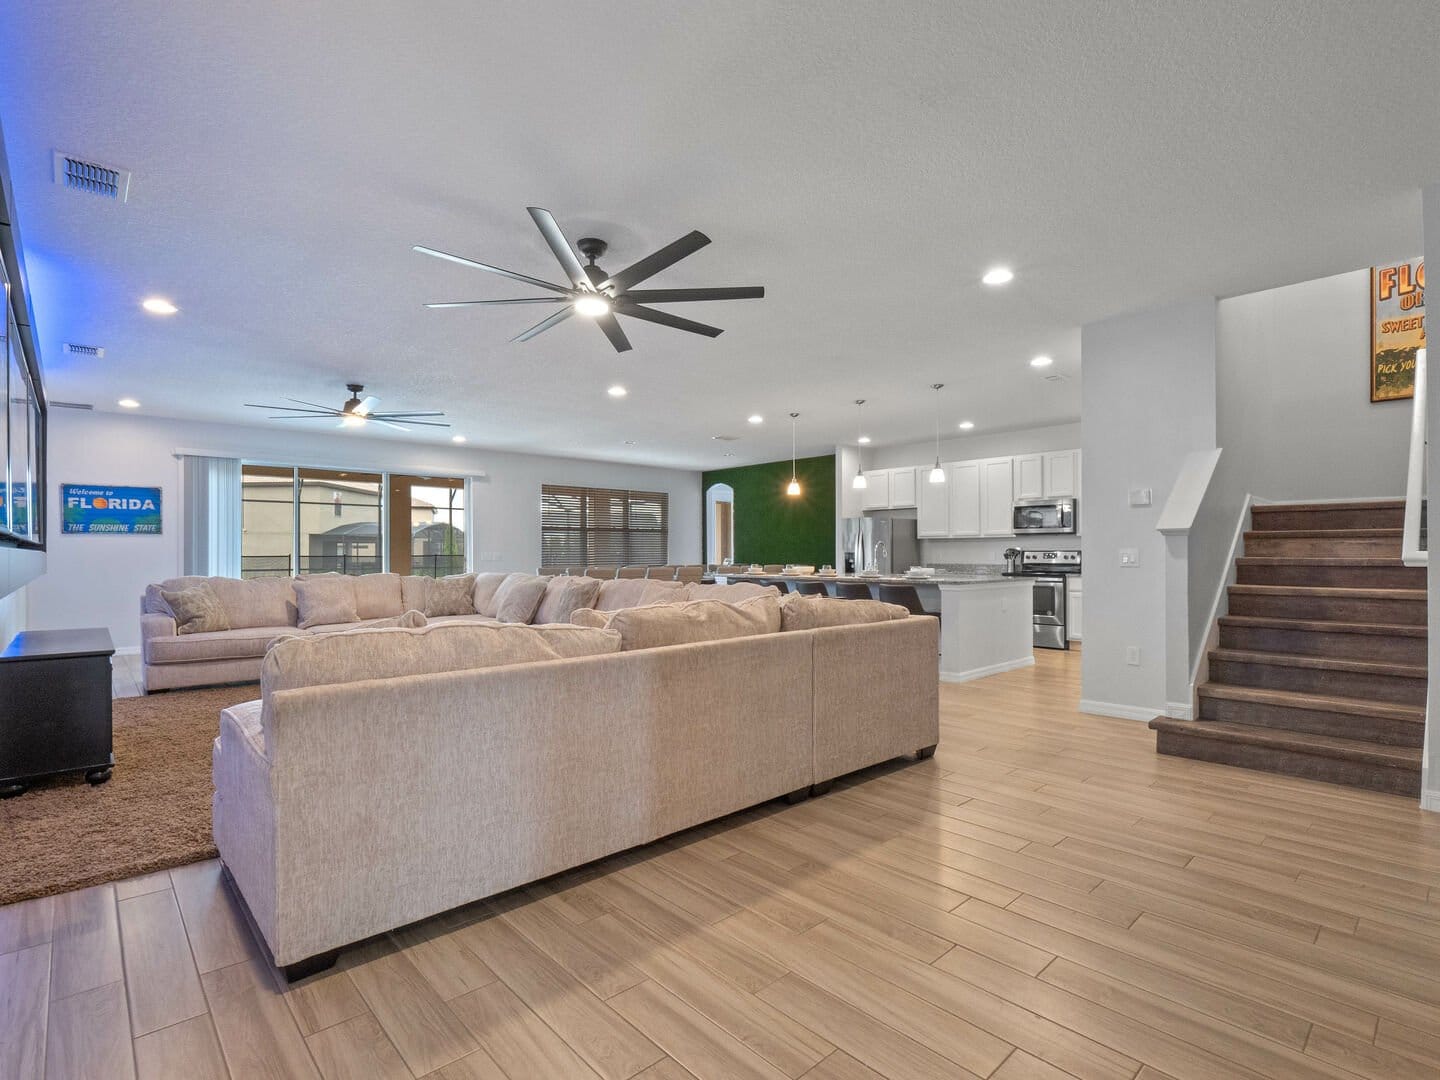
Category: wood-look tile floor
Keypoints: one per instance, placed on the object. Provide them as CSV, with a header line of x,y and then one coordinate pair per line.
x,y
1046,898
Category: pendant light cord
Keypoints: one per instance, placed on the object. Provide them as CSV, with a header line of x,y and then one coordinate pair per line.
x,y
937,388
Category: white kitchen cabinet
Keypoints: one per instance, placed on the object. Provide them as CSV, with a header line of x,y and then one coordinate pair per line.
x,y
1073,607
1030,472
876,495
932,507
1061,474
963,498
902,487
997,496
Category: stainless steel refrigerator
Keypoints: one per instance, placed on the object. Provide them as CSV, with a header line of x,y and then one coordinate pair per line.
x,y
883,543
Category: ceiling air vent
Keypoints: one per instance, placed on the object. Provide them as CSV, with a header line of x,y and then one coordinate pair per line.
x,y
725,438
91,177
71,405
85,350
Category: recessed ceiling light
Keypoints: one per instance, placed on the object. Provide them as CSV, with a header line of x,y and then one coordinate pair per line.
x,y
966,425
998,275
128,403
1041,361
757,419
864,440
629,442
158,305
617,391
457,438
593,306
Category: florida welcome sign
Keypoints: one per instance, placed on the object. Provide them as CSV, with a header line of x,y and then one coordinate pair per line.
x,y
91,508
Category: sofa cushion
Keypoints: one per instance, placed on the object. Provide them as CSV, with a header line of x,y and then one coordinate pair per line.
x,y
414,591
469,620
731,593
256,601
452,595
245,644
565,595
486,585
518,596
361,654
633,592
655,625
325,599
411,620
379,596
197,610
799,612
590,617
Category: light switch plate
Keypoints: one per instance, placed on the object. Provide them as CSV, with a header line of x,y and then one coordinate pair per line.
x,y
1129,557
1141,496
1132,655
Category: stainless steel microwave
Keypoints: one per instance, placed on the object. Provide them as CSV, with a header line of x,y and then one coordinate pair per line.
x,y
1032,516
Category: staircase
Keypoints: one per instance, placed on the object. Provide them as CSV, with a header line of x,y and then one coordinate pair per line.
x,y
1321,666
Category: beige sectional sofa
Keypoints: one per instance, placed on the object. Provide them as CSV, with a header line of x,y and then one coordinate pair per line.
x,y
260,610
383,777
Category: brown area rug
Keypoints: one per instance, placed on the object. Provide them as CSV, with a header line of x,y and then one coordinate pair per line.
x,y
154,813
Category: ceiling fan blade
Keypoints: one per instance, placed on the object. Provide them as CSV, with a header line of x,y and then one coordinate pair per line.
x,y
492,269
685,296
387,419
403,415
290,408
612,330
656,261
387,423
664,318
367,406
310,404
550,229
545,324
306,416
520,300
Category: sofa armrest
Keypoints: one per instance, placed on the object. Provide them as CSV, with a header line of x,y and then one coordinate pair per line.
x,y
154,626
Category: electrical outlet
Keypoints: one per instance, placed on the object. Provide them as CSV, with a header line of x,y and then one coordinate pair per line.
x,y
1129,557
1132,655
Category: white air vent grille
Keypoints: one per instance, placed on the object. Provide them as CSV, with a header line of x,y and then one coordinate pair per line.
x,y
91,177
1057,378
725,438
71,405
85,350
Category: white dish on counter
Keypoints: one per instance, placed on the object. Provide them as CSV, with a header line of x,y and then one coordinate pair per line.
x,y
802,570
920,572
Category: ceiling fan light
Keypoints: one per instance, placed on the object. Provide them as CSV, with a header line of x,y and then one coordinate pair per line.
x,y
859,483
592,306
352,419
937,474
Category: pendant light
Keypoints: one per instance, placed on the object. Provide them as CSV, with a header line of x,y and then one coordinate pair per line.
x,y
937,474
793,488
859,483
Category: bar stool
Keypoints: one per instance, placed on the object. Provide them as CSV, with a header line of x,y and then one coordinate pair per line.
x,y
779,583
906,597
811,588
852,590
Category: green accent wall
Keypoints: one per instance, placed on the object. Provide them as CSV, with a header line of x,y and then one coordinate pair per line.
x,y
770,526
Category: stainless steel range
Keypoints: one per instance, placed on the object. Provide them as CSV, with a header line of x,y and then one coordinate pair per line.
x,y
1050,569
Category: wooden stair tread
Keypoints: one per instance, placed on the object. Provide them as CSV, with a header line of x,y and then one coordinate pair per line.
x,y
1296,699
1338,591
1319,626
1331,746
1320,663
1325,534
1301,507
1321,560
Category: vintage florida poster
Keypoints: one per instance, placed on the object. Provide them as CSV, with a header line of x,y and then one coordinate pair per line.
x,y
1397,328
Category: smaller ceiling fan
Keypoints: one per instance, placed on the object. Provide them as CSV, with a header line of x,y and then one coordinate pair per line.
x,y
356,412
600,295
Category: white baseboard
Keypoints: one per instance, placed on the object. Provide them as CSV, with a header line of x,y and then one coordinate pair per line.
x,y
128,650
989,669
1122,712
1177,710
1430,800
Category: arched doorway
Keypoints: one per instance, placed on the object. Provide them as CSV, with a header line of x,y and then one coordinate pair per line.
x,y
719,524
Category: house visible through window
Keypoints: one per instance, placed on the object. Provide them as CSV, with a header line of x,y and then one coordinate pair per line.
x,y
318,521
603,526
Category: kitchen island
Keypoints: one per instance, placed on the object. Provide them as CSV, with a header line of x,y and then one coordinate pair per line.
x,y
985,618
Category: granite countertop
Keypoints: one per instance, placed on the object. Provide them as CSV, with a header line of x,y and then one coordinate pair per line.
x,y
979,576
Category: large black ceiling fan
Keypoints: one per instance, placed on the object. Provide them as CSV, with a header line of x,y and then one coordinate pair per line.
x,y
601,296
355,412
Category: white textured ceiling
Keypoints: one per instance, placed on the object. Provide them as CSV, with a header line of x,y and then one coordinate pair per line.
x,y
865,162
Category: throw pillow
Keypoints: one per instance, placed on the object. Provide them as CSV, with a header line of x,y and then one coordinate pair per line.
x,y
564,596
518,597
379,596
453,595
799,612
731,593
197,610
486,586
597,620
325,599
694,621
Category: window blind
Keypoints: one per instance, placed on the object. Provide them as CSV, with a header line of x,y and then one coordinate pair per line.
x,y
582,526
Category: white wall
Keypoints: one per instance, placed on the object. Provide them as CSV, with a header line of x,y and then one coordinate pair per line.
x,y
1147,399
97,580
1293,415
966,447
1430,763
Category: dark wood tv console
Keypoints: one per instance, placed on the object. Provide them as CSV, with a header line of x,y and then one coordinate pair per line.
x,y
55,707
